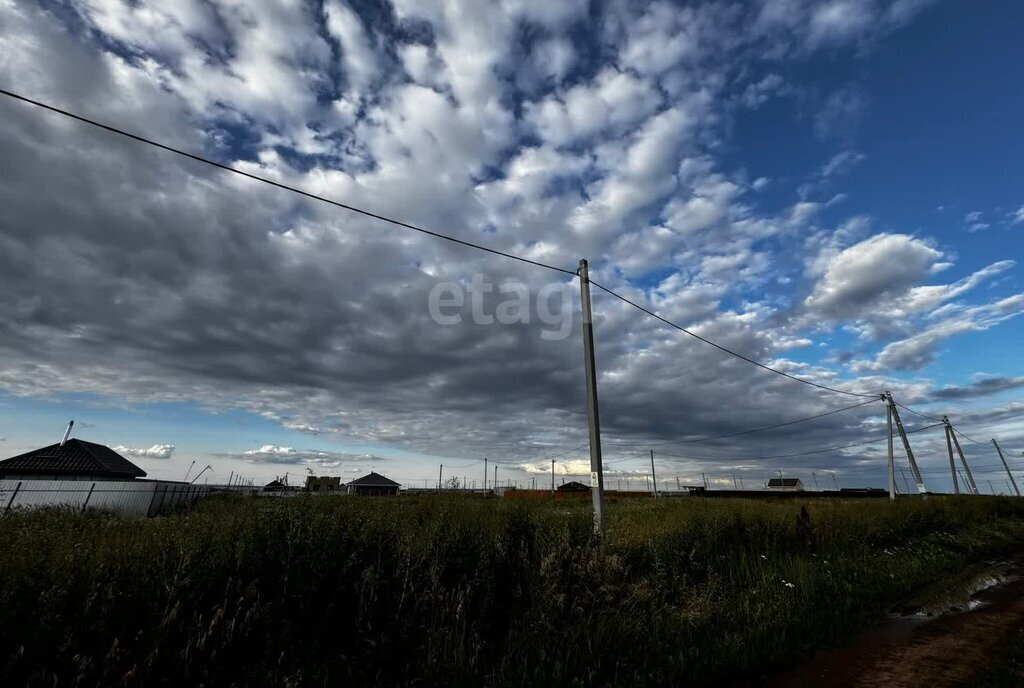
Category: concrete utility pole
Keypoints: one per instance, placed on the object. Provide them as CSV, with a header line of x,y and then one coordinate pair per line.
x,y
967,469
593,415
495,484
892,461
1008,473
678,485
704,478
439,472
654,477
834,481
949,449
552,477
915,471
815,476
191,466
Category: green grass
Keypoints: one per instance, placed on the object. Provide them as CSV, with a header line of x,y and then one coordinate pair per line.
x,y
465,591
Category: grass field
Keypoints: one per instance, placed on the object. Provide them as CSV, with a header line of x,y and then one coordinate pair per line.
x,y
465,591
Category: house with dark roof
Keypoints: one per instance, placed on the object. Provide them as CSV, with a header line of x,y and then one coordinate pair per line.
x,y
573,486
72,459
786,484
373,485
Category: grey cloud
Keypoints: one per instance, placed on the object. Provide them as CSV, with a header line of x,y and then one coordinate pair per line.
x,y
138,276
979,388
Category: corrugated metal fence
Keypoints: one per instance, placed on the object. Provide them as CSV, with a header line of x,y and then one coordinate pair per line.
x,y
146,498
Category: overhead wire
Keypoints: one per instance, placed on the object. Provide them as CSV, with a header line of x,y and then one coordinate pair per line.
x,y
767,427
794,454
279,185
738,355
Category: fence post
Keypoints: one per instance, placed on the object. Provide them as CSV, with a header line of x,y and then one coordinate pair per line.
x,y
88,497
17,489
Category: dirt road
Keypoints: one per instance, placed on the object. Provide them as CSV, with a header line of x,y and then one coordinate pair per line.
x,y
949,650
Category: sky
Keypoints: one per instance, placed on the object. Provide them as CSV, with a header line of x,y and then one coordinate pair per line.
x,y
831,188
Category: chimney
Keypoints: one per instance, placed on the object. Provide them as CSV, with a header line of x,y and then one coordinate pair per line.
x,y
67,433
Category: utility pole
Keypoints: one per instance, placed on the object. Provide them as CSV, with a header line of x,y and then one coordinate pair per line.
x,y
906,483
813,475
949,449
991,489
439,472
679,487
1008,473
191,466
495,484
593,415
705,479
654,477
834,481
892,460
915,471
552,477
967,469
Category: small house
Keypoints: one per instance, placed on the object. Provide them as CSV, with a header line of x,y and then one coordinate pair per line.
x,y
573,486
786,485
72,459
372,485
275,486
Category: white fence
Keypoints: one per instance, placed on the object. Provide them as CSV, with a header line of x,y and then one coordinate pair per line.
x,y
146,498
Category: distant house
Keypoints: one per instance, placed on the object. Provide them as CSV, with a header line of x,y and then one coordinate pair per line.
x,y
275,486
573,486
372,485
786,484
73,459
323,484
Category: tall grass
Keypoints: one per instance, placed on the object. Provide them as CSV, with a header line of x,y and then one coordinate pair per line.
x,y
463,591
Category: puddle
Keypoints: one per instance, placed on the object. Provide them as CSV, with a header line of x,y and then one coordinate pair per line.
x,y
962,593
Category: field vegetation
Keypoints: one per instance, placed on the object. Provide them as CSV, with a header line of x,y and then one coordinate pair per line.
x,y
436,590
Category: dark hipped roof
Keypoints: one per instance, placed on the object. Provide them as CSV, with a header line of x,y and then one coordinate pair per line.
x,y
374,480
74,457
574,486
784,482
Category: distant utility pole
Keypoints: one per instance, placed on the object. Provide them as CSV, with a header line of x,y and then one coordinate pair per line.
x,y
485,472
813,475
834,481
654,477
1008,473
906,483
552,477
495,476
892,461
735,485
705,479
679,487
906,445
949,448
951,434
191,466
593,415
439,472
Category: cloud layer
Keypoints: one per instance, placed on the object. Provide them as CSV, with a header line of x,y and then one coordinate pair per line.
x,y
135,275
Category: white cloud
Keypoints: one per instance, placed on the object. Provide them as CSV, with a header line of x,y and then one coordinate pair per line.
x,y
157,451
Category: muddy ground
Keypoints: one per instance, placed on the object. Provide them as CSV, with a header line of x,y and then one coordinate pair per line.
x,y
951,639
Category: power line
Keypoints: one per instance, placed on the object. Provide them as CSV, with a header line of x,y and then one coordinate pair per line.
x,y
279,185
918,413
786,456
767,427
729,351
965,435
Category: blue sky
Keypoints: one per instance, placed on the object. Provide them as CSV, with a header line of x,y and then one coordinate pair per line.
x,y
833,187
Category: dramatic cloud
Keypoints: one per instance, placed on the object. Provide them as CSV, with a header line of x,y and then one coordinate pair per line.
x,y
979,388
137,276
